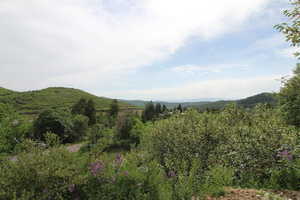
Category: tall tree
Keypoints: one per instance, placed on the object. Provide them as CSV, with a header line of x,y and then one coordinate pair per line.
x,y
164,108
179,108
289,98
114,108
158,109
291,29
79,107
90,112
149,112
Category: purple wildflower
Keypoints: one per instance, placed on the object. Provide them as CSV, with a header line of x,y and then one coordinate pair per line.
x,y
71,188
126,173
96,167
171,174
285,154
119,159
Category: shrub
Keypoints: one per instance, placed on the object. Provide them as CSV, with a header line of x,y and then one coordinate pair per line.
x,y
41,175
69,128
13,129
246,141
123,179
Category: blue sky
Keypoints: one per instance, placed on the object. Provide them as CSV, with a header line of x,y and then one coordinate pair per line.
x,y
146,49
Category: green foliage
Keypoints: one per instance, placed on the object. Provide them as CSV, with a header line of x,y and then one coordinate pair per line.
x,y
86,108
114,108
52,140
69,128
41,175
58,174
34,102
79,107
13,129
289,99
291,29
79,127
216,179
90,112
246,141
124,179
149,112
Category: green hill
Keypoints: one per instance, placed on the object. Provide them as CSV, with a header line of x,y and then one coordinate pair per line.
x,y
33,102
249,102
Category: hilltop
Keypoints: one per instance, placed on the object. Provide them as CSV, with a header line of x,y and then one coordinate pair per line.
x,y
33,102
249,102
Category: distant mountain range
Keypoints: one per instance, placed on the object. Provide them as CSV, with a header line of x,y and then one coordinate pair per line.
x,y
267,98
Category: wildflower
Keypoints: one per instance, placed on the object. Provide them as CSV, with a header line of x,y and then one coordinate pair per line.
x,y
71,188
126,173
171,174
119,159
96,167
286,155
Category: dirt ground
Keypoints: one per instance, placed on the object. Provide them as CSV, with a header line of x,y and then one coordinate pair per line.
x,y
251,194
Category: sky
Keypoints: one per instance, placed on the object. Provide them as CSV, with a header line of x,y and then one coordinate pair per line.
x,y
145,49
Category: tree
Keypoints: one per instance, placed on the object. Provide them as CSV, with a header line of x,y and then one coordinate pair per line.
x,y
179,108
158,109
292,29
87,108
52,121
164,109
90,112
69,128
114,108
149,112
289,98
79,107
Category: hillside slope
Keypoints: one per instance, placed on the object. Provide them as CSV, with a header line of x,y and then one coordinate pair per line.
x,y
33,102
249,102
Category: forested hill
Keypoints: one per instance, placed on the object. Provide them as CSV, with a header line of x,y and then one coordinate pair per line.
x,y
247,102
33,102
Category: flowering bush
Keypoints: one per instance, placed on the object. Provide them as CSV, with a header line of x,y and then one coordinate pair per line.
x,y
247,141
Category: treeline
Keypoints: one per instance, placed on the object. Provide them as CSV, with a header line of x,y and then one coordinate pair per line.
x,y
157,111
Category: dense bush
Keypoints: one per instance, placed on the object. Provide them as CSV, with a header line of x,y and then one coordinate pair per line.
x,y
58,174
13,129
41,175
69,128
246,141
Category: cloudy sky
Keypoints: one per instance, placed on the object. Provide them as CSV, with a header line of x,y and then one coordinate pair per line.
x,y
145,49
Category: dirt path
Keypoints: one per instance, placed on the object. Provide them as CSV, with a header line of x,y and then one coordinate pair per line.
x,y
251,194
74,147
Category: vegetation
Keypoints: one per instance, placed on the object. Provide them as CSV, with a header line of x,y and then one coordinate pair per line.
x,y
34,102
163,154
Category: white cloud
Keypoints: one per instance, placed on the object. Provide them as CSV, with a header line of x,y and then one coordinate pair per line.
x,y
79,42
223,88
192,69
